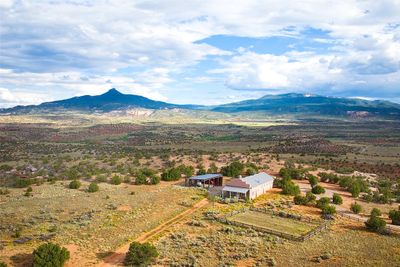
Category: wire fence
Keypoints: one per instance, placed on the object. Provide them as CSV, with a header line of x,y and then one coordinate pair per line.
x,y
313,232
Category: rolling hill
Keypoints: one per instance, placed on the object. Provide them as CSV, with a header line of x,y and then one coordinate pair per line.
x,y
302,104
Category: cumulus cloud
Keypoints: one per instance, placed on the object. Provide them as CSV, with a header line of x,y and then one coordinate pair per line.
x,y
53,47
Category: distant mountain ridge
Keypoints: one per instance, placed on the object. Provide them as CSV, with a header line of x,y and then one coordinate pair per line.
x,y
284,104
109,101
293,103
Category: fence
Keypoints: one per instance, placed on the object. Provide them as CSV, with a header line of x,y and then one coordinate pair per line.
x,y
391,228
302,238
284,214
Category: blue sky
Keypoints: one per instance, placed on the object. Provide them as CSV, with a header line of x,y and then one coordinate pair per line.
x,y
197,51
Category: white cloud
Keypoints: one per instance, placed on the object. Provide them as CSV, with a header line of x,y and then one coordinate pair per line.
x,y
10,98
139,46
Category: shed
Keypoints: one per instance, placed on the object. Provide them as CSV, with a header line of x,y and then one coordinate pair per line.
x,y
211,179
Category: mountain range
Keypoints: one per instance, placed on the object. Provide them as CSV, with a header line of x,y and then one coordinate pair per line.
x,y
293,104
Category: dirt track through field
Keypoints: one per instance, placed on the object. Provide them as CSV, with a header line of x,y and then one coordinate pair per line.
x,y
118,256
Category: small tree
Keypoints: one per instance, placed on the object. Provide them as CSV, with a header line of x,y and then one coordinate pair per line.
x,y
323,201
140,179
140,254
376,212
171,174
290,188
75,184
93,187
300,200
356,208
355,189
116,180
375,223
50,255
394,215
313,180
233,170
310,197
328,210
318,190
337,199
154,179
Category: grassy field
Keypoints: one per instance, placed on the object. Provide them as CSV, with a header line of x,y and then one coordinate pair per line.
x,y
275,223
89,224
347,243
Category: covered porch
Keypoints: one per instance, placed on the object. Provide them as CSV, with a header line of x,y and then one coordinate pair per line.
x,y
238,192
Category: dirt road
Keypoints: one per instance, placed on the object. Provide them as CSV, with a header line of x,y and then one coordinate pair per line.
x,y
118,256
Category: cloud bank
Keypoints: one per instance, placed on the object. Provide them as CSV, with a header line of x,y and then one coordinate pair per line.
x,y
55,49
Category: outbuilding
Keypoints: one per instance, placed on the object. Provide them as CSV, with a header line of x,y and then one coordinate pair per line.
x,y
248,187
205,180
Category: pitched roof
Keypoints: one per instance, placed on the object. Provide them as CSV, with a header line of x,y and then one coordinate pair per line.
x,y
257,179
237,183
250,181
205,176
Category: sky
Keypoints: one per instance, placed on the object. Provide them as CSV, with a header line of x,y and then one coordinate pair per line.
x,y
198,51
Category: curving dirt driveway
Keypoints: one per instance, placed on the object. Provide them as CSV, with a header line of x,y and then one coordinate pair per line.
x,y
118,256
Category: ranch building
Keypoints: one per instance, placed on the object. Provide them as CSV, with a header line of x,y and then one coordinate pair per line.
x,y
205,180
248,187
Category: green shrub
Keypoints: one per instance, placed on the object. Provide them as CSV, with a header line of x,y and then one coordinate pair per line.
x,y
188,171
323,201
328,209
116,180
318,190
154,179
355,189
213,168
356,208
140,254
233,170
337,199
93,187
300,200
50,255
328,177
251,171
201,171
394,215
3,264
101,179
375,224
75,184
310,197
140,179
376,212
172,174
290,188
21,183
313,180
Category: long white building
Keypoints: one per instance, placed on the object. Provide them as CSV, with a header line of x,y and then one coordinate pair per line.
x,y
248,187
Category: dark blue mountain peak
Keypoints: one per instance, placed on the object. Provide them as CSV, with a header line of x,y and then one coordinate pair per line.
x,y
113,91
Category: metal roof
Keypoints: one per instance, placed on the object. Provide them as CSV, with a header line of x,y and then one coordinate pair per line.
x,y
257,179
237,183
235,189
205,176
